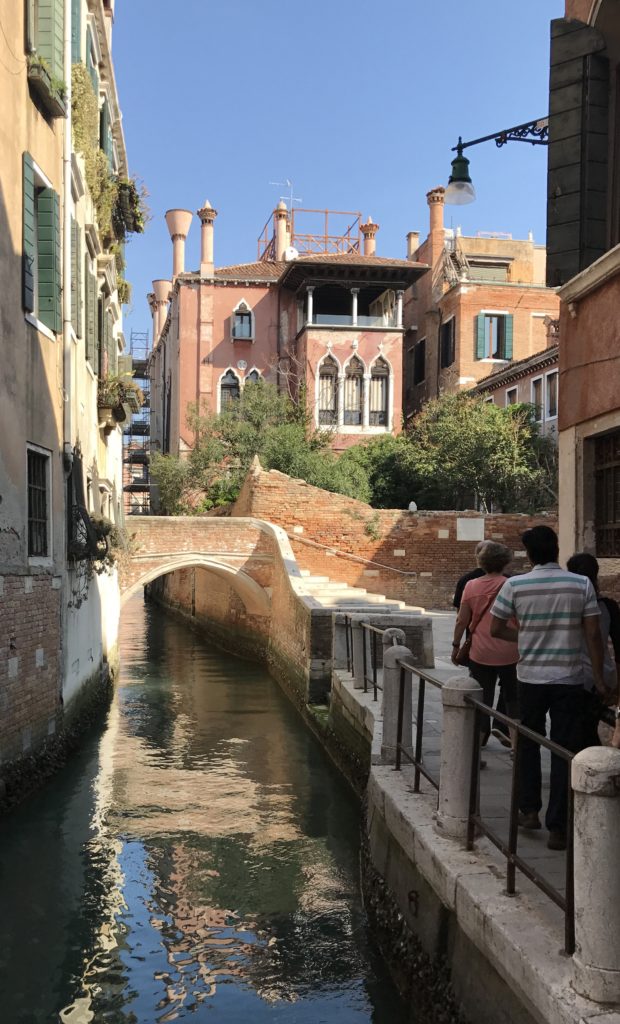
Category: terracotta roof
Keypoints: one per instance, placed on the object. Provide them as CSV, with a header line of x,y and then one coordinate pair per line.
x,y
518,369
351,259
263,270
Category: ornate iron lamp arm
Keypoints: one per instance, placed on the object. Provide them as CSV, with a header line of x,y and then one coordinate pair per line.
x,y
534,132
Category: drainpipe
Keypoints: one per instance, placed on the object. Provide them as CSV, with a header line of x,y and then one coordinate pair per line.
x,y
66,249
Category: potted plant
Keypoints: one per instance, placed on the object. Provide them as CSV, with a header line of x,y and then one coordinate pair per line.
x,y
45,86
118,396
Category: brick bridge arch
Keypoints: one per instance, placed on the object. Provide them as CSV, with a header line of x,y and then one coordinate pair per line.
x,y
240,550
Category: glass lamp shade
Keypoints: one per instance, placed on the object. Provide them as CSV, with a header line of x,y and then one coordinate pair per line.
x,y
459,193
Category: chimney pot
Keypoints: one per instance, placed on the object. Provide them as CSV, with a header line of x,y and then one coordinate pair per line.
x,y
369,231
280,219
413,244
160,297
207,218
178,222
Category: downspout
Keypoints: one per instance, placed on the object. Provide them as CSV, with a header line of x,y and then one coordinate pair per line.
x,y
67,342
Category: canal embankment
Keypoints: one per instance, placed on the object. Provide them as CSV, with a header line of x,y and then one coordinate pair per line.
x,y
503,954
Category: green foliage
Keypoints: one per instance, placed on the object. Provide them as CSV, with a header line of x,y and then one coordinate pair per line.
x,y
463,448
172,477
371,526
386,462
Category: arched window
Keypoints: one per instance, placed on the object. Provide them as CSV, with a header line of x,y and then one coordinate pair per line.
x,y
328,392
253,376
229,388
379,377
242,323
353,392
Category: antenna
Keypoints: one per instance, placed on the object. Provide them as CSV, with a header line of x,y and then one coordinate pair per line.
x,y
291,198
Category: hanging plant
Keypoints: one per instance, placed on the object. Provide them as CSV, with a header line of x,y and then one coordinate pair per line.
x,y
129,213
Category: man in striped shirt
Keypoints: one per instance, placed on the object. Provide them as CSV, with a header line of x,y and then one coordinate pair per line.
x,y
553,609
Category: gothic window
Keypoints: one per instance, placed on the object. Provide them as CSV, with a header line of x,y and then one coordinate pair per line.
x,y
253,376
353,392
242,323
229,388
379,378
328,392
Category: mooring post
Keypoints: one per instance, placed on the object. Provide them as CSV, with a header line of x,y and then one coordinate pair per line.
x,y
394,651
457,741
596,783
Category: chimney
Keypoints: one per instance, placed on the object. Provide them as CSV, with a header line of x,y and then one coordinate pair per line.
x,y
413,244
369,231
150,298
178,222
207,217
280,219
161,292
435,200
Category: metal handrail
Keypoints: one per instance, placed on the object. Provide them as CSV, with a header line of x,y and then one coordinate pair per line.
x,y
513,860
401,751
374,631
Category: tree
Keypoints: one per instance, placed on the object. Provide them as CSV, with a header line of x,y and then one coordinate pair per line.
x,y
464,448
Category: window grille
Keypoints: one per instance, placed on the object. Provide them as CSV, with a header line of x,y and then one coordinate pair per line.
x,y
229,388
353,392
328,392
379,379
38,505
607,494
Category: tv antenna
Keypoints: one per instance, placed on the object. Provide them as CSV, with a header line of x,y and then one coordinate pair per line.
x,y
289,198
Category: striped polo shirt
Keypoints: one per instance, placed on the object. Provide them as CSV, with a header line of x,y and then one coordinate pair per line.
x,y
549,604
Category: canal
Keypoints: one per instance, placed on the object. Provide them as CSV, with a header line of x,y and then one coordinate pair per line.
x,y
197,861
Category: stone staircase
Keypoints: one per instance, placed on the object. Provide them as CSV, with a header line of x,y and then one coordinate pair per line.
x,y
326,593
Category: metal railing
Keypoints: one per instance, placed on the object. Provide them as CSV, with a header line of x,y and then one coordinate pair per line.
x,y
370,653
509,849
416,759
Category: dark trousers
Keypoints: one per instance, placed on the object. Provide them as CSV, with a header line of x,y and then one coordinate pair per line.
x,y
486,676
566,708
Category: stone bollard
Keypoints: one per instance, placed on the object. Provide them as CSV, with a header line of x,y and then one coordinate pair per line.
x,y
391,691
358,655
457,740
596,962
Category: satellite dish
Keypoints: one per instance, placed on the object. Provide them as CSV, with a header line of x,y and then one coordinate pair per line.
x,y
290,253
242,365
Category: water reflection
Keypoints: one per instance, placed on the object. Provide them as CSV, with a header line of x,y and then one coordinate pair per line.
x,y
199,862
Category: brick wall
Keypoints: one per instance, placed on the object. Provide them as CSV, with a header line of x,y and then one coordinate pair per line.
x,y
29,662
415,557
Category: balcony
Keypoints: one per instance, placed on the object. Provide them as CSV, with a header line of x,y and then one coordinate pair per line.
x,y
342,320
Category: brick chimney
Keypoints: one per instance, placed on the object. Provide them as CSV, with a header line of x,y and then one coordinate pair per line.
x,y
369,231
435,200
178,222
207,217
413,244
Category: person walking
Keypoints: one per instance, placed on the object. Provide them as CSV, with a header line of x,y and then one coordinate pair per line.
x,y
554,609
490,659
472,574
585,564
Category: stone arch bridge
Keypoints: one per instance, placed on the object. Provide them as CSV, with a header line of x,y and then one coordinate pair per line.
x,y
245,553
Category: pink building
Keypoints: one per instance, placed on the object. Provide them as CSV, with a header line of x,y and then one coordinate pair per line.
x,y
316,307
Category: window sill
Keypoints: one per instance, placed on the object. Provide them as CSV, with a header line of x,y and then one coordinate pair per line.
x,y
495,361
42,87
233,339
39,562
41,328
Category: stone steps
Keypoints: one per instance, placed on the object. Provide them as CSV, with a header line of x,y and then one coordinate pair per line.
x,y
335,594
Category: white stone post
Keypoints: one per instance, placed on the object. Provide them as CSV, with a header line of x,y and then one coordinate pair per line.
x,y
310,309
366,401
399,308
596,784
392,653
457,740
354,293
358,655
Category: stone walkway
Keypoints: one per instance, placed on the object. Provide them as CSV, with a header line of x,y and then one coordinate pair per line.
x,y
495,779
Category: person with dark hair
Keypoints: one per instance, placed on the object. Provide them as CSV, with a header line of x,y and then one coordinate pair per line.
x,y
585,564
490,660
555,611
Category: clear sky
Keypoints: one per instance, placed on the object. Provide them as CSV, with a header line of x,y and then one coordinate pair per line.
x,y
358,102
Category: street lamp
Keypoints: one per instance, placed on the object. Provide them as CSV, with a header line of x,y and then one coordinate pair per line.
x,y
460,189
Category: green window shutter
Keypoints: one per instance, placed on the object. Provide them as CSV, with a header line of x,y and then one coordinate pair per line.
x,y
29,231
76,30
508,328
48,210
480,352
90,295
105,140
49,35
79,282
112,347
31,28
90,64
74,276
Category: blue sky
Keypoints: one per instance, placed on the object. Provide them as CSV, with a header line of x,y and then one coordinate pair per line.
x,y
357,101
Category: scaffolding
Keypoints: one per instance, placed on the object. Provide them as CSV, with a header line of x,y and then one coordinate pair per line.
x,y
137,433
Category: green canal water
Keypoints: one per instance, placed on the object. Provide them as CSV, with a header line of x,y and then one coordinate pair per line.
x,y
197,861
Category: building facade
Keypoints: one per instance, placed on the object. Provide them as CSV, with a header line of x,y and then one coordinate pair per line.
x,y
583,236
482,306
318,309
61,333
533,380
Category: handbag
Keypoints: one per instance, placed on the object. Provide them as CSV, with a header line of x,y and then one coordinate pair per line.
x,y
462,655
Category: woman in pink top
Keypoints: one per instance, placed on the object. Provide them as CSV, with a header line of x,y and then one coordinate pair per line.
x,y
490,658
